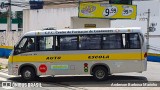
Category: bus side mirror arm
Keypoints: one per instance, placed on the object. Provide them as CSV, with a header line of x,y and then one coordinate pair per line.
x,y
14,52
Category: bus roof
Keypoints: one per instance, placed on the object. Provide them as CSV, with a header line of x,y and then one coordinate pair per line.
x,y
83,31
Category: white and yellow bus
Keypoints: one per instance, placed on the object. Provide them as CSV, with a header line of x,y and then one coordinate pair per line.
x,y
99,52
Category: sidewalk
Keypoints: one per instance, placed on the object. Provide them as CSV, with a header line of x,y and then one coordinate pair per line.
x,y
4,62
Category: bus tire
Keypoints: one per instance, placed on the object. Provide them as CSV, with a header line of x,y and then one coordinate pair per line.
x,y
100,73
28,73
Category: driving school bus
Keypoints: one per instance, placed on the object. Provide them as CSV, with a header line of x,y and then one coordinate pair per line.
x,y
99,52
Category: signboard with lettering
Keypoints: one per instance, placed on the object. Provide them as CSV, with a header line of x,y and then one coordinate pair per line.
x,y
3,7
103,10
36,4
42,68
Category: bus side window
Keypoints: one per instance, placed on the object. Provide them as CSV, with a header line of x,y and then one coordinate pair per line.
x,y
67,43
21,48
112,41
27,44
89,42
45,43
31,44
133,41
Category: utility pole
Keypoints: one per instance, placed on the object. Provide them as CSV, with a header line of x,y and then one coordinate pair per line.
x,y
9,21
148,29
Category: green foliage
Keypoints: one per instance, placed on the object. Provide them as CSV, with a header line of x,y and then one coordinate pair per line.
x,y
7,66
3,14
1,67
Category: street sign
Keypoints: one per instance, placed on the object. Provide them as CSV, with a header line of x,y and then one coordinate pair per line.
x,y
152,29
2,5
36,4
104,10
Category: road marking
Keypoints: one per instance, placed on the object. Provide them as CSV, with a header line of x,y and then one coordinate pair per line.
x,y
3,79
8,87
4,74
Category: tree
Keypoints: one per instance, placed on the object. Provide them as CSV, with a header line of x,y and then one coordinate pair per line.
x,y
3,14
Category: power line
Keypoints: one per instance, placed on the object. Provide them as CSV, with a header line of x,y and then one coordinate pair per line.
x,y
154,48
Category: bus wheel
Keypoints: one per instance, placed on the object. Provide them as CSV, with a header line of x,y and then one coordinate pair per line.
x,y
100,73
28,73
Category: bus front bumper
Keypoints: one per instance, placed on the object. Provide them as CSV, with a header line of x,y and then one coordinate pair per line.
x,y
12,70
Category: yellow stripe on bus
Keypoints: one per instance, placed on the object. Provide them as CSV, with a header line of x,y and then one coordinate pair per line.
x,y
76,57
